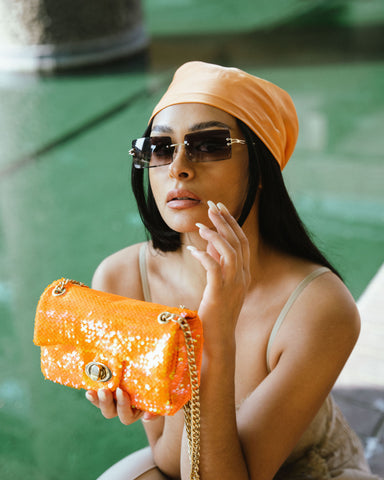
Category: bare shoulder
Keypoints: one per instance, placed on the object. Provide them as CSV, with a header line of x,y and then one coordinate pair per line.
x,y
323,322
331,305
119,273
309,351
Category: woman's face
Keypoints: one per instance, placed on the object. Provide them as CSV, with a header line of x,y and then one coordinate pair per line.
x,y
183,188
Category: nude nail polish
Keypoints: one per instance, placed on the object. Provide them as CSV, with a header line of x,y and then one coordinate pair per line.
x,y
213,207
89,397
102,396
120,395
200,225
222,207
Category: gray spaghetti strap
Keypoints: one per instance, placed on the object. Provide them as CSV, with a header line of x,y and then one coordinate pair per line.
x,y
144,274
291,300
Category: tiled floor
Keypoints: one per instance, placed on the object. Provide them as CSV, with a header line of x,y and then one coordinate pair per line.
x,y
65,203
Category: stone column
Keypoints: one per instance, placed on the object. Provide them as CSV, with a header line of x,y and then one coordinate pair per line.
x,y
49,35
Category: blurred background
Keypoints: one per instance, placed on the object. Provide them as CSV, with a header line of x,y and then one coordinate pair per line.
x,y
77,83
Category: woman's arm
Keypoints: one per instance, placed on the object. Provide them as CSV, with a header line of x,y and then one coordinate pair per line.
x,y
226,262
311,349
323,325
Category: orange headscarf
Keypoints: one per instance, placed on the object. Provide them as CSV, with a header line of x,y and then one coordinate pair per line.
x,y
265,108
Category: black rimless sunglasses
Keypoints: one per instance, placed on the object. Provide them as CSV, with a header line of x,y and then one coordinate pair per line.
x,y
204,146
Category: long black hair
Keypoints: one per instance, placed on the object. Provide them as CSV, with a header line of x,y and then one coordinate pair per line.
x,y
279,223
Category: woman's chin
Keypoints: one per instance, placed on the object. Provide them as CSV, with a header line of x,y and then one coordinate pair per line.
x,y
184,222
184,228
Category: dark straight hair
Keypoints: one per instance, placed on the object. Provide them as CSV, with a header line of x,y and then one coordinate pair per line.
x,y
279,223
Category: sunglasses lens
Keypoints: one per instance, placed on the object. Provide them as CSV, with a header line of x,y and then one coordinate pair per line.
x,y
208,146
205,146
141,152
152,151
162,151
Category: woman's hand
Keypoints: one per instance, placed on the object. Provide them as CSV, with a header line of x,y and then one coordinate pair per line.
x,y
226,261
117,406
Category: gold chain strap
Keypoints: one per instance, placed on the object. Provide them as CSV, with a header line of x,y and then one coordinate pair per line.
x,y
192,408
60,287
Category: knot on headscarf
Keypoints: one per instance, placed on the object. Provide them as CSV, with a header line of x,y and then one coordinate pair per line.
x,y
264,107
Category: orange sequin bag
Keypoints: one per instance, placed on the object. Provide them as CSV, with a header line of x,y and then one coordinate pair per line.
x,y
91,339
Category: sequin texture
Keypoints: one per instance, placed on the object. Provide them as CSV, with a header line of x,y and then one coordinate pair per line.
x,y
147,359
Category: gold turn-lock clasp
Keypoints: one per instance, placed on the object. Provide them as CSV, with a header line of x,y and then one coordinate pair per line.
x,y
98,372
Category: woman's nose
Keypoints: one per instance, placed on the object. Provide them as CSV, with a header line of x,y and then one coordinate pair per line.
x,y
181,167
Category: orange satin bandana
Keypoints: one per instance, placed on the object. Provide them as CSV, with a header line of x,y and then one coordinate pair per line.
x,y
264,107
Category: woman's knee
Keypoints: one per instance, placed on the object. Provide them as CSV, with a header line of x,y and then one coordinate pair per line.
x,y
138,465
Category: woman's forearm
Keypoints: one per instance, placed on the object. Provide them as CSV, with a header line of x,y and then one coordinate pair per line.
x,y
220,449
164,436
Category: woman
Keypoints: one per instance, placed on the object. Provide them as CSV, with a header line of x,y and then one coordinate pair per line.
x,y
279,324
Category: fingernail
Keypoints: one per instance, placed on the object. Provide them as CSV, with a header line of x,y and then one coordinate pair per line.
x,y
120,395
102,395
89,397
212,206
201,226
147,417
191,248
222,207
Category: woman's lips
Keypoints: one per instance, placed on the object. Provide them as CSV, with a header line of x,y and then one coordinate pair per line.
x,y
180,199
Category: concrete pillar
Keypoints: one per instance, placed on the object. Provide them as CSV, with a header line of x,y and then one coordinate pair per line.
x,y
48,35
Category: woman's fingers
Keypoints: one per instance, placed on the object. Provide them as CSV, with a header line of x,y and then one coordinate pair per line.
x,y
127,414
222,243
227,243
238,231
103,399
107,403
111,407
148,417
218,247
226,258
210,264
221,219
91,395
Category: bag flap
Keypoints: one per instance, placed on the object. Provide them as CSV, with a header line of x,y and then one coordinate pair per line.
x,y
96,321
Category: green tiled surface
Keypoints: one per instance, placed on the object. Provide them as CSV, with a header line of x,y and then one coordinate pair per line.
x,y
199,16
363,13
39,112
60,216
183,17
64,210
337,176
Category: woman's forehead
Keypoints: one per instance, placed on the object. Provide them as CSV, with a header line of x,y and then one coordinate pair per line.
x,y
192,117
